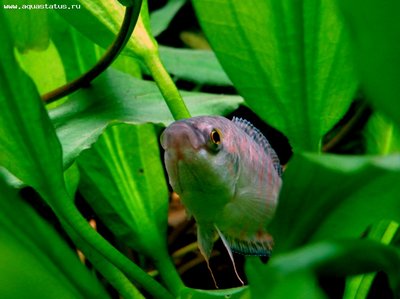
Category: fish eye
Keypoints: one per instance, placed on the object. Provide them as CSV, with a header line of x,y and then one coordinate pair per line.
x,y
216,136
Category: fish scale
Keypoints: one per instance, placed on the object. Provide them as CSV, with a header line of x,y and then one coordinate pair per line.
x,y
228,177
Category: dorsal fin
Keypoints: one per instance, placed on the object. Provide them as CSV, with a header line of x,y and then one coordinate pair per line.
x,y
260,139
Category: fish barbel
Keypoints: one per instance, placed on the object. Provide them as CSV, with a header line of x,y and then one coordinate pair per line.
x,y
228,177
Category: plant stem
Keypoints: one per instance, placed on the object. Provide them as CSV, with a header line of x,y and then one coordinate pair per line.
x,y
167,87
169,274
69,214
113,275
130,18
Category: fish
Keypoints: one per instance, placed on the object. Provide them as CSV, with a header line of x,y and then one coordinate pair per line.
x,y
228,177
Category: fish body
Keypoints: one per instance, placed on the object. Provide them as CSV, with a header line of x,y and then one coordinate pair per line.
x,y
228,178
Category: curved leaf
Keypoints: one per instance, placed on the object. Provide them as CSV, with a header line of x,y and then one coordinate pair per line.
x,y
382,135
300,267
160,19
290,60
327,196
122,178
199,66
30,152
34,261
375,36
29,26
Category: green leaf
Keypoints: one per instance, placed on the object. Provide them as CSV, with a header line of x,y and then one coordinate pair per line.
x,y
300,267
29,26
299,285
160,19
122,178
31,151
77,53
117,97
199,66
375,36
358,286
328,196
45,68
382,135
92,13
290,60
34,261
28,144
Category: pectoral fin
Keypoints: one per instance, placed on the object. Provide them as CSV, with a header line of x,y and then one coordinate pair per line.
x,y
205,240
226,244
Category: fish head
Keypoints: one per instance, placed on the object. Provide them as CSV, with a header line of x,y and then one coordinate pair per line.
x,y
201,162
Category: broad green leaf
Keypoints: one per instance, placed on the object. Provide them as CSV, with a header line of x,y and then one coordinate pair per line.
x,y
299,285
300,267
92,20
28,144
160,19
358,286
290,60
382,135
31,151
329,197
34,261
235,293
77,53
28,24
117,97
199,66
44,67
122,178
375,36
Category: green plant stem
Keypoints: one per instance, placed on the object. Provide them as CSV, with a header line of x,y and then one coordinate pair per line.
x,y
130,18
169,274
68,213
167,87
113,275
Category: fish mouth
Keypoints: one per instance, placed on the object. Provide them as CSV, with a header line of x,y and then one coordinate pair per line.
x,y
180,136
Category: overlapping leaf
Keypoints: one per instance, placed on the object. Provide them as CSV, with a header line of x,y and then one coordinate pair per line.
x,y
290,60
123,180
382,135
300,268
28,144
29,26
34,261
375,36
328,196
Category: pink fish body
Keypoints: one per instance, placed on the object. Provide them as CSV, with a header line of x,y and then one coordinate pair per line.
x,y
228,178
